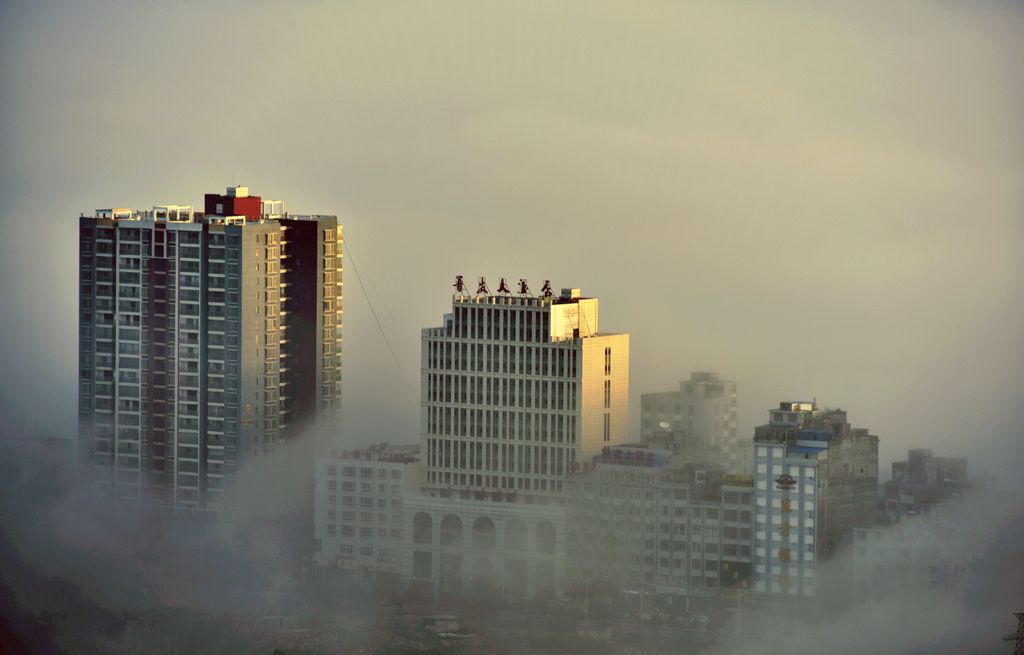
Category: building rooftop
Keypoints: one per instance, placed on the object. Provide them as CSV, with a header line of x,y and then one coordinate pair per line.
x,y
235,206
382,452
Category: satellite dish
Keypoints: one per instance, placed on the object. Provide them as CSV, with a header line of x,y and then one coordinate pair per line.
x,y
664,425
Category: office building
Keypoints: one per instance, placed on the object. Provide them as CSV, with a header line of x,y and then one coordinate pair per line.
x,y
205,338
815,479
701,418
516,389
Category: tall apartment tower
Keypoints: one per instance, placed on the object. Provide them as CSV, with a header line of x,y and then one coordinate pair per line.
x,y
204,339
703,409
518,389
815,480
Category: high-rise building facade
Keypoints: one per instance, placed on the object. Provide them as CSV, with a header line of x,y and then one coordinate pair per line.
x,y
358,506
703,414
204,339
815,480
516,389
517,392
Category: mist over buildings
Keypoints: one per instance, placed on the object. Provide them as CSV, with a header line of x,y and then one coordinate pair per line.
x,y
814,199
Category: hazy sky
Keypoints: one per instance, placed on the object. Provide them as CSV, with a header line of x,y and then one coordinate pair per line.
x,y
815,199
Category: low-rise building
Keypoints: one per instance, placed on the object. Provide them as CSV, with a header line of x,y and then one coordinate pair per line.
x,y
921,553
358,505
483,544
923,481
635,523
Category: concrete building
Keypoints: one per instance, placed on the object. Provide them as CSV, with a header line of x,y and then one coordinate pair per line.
x,y
358,510
204,339
815,479
927,553
637,524
923,481
473,543
516,389
703,414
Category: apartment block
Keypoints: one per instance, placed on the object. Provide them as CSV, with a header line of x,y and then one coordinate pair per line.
x,y
205,338
358,506
700,418
638,524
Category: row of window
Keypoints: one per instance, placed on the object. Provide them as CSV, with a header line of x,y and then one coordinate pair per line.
x,y
364,531
503,391
497,457
501,424
554,359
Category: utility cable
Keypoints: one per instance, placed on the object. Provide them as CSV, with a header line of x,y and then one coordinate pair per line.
x,y
387,342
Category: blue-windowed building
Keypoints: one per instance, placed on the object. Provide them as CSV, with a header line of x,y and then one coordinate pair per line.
x,y
815,479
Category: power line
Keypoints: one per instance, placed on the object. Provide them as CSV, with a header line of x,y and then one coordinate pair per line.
x,y
348,249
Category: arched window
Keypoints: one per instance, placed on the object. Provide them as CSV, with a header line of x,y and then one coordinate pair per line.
x,y
451,531
422,528
483,533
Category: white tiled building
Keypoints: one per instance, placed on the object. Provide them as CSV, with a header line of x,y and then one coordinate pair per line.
x,y
785,503
358,506
815,479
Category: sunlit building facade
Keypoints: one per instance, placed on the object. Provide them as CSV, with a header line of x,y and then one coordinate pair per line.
x,y
204,338
517,389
